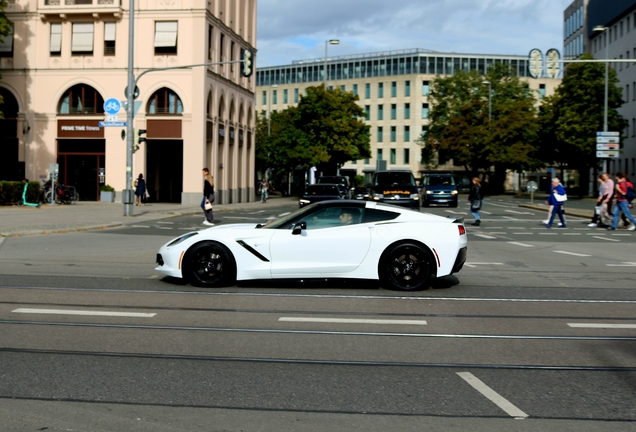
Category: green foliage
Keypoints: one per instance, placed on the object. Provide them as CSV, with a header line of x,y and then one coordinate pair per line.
x,y
326,127
106,188
570,118
11,192
358,180
460,129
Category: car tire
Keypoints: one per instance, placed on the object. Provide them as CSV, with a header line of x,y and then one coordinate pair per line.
x,y
209,264
406,267
453,205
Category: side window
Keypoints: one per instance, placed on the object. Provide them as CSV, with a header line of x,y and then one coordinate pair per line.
x,y
375,215
332,217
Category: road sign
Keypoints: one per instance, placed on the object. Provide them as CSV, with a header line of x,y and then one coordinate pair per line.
x,y
608,134
112,106
608,146
532,186
609,154
612,140
109,123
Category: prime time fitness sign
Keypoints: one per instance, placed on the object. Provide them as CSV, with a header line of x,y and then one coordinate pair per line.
x,y
79,129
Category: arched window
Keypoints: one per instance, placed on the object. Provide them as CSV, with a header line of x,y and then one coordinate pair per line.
x,y
164,102
81,99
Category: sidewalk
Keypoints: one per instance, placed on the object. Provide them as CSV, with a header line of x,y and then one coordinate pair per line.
x,y
85,216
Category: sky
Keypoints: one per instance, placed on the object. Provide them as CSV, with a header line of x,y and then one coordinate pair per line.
x,y
290,30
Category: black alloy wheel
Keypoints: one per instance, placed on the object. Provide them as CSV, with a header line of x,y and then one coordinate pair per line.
x,y
406,267
209,264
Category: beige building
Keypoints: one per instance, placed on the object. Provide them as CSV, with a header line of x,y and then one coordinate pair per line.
x,y
393,88
66,57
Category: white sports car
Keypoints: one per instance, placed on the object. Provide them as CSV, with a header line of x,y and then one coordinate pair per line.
x,y
402,248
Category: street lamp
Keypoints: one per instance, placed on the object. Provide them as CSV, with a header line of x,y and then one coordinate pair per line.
x,y
327,43
489,98
600,29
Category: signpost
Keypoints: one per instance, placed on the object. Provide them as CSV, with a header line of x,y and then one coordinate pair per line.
x,y
532,187
112,106
608,145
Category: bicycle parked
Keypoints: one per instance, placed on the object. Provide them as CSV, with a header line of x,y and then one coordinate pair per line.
x,y
64,194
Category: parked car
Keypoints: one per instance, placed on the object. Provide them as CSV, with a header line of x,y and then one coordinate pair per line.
x,y
321,192
439,189
401,248
395,187
343,181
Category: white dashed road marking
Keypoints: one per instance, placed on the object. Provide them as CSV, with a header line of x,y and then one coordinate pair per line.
x,y
624,264
492,395
572,253
521,244
605,238
82,312
352,321
602,326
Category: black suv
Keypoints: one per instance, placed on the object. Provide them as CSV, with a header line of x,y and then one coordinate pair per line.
x,y
342,181
395,187
439,189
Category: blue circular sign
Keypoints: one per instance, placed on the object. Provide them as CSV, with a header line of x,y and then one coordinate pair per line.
x,y
112,106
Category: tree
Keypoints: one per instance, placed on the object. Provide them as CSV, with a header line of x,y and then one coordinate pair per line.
x,y
570,118
326,127
463,126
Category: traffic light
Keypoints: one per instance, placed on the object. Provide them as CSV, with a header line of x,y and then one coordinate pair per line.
x,y
247,63
138,138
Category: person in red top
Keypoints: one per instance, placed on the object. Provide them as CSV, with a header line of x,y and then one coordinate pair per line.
x,y
622,205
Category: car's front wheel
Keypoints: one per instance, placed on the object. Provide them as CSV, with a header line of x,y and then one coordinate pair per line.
x,y
406,267
209,264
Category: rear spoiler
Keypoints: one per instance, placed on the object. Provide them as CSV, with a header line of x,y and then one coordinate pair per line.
x,y
457,219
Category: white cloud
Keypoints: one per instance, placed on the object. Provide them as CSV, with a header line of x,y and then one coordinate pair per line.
x,y
297,29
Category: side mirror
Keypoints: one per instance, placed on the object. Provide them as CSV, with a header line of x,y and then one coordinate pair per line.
x,y
299,227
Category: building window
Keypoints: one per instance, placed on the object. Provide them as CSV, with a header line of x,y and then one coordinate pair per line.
x,y
285,96
392,156
407,88
264,98
109,38
221,44
6,46
56,39
367,89
541,91
425,111
393,134
426,88
407,133
166,37
393,89
210,34
380,139
634,127
393,111
407,156
367,111
407,111
380,112
164,101
81,99
274,97
355,89
82,41
379,153
343,88
380,90
296,96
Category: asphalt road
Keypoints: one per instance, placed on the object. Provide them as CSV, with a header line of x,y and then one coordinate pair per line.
x,y
537,332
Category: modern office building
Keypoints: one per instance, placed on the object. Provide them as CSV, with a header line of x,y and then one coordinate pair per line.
x,y
66,57
617,40
393,88
575,40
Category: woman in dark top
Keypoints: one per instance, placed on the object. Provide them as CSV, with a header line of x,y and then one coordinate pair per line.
x,y
475,199
140,190
208,197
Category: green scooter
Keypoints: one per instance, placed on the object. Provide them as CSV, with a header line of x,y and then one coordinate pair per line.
x,y
23,201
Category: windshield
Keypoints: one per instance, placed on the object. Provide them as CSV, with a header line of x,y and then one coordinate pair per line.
x,y
440,180
394,179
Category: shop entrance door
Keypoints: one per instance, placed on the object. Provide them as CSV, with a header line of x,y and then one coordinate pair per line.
x,y
164,170
79,166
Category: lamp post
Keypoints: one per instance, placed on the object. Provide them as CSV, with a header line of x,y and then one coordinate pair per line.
x,y
602,29
327,43
489,98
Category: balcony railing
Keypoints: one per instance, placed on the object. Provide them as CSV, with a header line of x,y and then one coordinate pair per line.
x,y
79,2
61,8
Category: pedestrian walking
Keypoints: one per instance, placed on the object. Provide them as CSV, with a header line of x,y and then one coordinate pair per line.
x,y
622,202
140,189
556,199
475,200
601,216
208,197
264,188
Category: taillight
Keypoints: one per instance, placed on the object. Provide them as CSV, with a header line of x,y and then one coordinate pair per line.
x,y
462,229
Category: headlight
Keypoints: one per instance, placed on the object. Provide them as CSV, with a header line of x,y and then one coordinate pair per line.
x,y
304,201
182,238
378,196
454,192
429,192
415,196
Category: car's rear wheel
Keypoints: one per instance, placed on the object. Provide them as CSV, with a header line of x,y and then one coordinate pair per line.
x,y
406,267
209,264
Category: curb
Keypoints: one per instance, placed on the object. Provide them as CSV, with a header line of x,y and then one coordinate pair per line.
x,y
568,211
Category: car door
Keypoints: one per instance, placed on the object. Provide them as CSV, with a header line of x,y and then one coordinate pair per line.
x,y
325,248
